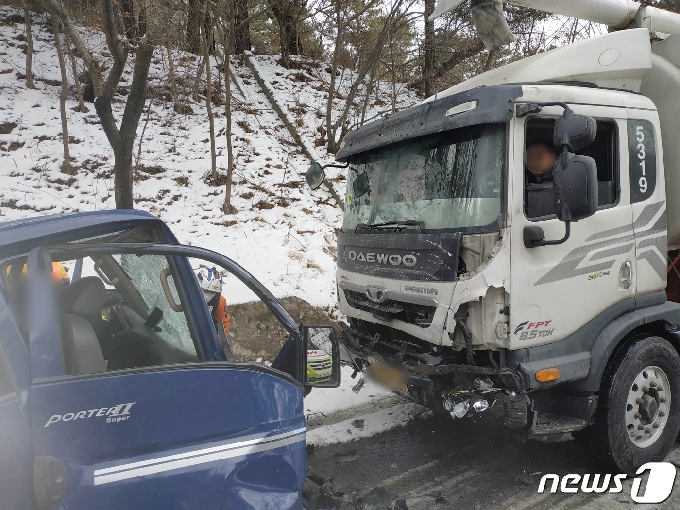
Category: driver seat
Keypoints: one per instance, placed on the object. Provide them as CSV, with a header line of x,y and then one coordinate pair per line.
x,y
82,352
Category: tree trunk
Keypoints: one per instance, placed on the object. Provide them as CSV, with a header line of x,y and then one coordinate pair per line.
x,y
194,16
366,66
475,47
66,165
288,15
330,129
208,106
79,89
122,141
242,35
173,81
29,46
228,43
428,84
491,58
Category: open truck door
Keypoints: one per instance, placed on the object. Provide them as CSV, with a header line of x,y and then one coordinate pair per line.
x,y
133,401
15,437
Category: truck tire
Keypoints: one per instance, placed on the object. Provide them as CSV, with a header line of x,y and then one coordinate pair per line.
x,y
638,416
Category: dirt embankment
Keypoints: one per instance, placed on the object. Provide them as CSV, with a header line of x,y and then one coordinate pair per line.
x,y
254,332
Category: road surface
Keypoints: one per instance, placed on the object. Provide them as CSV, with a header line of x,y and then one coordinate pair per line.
x,y
435,462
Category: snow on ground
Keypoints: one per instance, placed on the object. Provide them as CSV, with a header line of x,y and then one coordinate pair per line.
x,y
346,416
281,232
325,401
371,424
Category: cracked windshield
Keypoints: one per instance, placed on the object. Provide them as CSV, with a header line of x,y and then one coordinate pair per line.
x,y
452,180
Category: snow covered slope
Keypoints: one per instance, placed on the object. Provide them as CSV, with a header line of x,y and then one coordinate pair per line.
x,y
283,234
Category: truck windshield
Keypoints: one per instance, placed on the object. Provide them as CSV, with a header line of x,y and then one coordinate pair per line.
x,y
451,180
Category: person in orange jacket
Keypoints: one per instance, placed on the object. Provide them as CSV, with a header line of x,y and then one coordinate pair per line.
x,y
210,281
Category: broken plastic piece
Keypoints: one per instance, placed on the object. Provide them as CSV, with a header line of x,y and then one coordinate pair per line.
x,y
357,387
483,384
480,405
460,409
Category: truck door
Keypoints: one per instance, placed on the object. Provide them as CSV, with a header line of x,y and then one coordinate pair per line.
x,y
557,290
133,403
15,437
647,196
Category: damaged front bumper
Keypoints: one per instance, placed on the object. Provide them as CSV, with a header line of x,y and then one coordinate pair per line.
x,y
460,390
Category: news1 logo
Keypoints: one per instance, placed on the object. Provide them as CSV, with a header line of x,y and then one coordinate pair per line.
x,y
659,483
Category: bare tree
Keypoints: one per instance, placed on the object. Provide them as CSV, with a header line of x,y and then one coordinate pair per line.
x,y
194,17
29,46
173,80
289,15
228,32
428,49
121,138
465,50
208,104
76,79
242,23
335,131
66,165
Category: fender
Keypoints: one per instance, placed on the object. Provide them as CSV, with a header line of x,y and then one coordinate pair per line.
x,y
583,355
611,336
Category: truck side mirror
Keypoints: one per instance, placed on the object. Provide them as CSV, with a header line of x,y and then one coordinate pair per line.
x,y
575,188
322,356
315,175
574,131
575,177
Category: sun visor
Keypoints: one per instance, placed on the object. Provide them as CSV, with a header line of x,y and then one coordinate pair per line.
x,y
483,105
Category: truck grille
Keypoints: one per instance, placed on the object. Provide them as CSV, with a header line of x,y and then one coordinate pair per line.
x,y
321,365
392,310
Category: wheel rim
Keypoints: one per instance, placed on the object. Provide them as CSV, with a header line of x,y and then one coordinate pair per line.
x,y
648,406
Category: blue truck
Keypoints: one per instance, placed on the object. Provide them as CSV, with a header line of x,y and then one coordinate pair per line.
x,y
116,388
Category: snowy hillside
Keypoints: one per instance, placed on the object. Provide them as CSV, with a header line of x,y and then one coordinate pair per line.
x,y
281,232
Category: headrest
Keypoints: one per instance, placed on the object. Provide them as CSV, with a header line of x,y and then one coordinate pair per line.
x,y
85,297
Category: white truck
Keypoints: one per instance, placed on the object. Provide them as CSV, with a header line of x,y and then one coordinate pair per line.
x,y
554,305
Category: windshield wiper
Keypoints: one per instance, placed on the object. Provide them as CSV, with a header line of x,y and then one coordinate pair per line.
x,y
392,225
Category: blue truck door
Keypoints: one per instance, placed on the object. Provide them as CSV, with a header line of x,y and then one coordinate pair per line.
x,y
15,437
198,433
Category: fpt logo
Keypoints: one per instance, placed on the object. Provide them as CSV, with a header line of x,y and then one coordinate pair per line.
x,y
534,329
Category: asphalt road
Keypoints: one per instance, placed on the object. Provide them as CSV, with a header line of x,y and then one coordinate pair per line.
x,y
435,462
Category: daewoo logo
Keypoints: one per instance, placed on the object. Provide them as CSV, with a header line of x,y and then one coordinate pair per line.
x,y
382,258
659,483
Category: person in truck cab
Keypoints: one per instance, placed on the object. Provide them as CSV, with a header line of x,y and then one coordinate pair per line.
x,y
210,281
540,159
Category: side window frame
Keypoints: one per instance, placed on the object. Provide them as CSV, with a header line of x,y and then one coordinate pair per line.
x,y
181,269
616,162
8,385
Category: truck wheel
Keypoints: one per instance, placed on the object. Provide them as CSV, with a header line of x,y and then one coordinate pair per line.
x,y
639,406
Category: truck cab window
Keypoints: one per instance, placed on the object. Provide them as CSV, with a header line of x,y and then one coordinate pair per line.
x,y
123,312
539,196
245,326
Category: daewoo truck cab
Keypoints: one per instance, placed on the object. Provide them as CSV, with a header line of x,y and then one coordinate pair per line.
x,y
552,306
116,389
